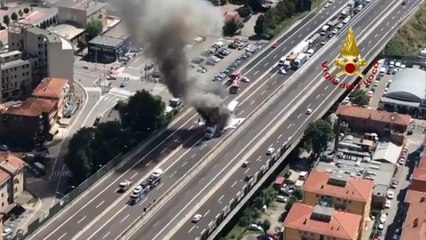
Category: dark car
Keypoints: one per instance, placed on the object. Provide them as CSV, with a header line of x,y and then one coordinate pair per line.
x,y
233,46
248,178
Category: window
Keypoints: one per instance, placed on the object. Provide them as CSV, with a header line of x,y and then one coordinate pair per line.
x,y
2,204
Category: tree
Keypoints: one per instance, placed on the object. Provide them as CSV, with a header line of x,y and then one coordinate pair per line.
x,y
14,16
244,11
222,2
290,203
51,22
143,114
317,135
298,194
20,13
266,224
6,19
93,29
358,97
54,20
260,27
108,142
230,28
256,5
26,10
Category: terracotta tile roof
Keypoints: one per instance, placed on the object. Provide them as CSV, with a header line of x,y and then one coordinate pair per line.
x,y
419,174
32,107
10,163
355,189
415,222
342,225
375,115
50,88
4,176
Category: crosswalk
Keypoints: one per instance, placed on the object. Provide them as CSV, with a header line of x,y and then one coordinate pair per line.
x,y
57,173
32,180
129,76
122,92
93,89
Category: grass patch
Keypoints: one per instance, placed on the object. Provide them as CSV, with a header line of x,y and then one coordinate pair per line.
x,y
236,233
411,38
290,21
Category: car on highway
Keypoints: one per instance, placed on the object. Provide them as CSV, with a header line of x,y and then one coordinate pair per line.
x,y
157,173
282,71
323,42
404,3
248,178
123,84
245,164
339,26
308,111
347,19
6,232
335,31
245,79
326,5
197,217
274,45
270,151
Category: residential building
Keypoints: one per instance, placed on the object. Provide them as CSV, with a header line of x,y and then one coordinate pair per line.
x,y
305,222
418,181
29,122
369,120
55,89
81,12
414,226
50,55
71,33
111,45
339,191
12,180
16,76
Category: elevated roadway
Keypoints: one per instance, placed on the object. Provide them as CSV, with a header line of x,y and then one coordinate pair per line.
x,y
173,220
174,145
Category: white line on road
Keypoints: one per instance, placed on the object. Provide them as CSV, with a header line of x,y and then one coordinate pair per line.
x,y
173,174
317,96
266,64
205,214
315,23
155,224
252,102
162,151
300,35
309,105
241,112
255,73
234,184
289,126
292,41
203,146
326,87
275,56
82,219
183,165
246,171
279,136
124,219
63,235
258,159
159,186
191,229
100,204
193,155
140,204
106,235
284,49
148,163
220,198
263,92
298,116
307,29
134,175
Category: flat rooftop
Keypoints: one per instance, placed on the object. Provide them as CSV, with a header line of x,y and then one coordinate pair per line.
x,y
67,31
14,63
117,31
106,41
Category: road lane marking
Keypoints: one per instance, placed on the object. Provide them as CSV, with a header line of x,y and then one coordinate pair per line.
x,y
82,219
205,214
62,236
234,184
106,235
292,41
259,158
252,102
246,171
134,175
263,92
124,219
220,198
191,229
275,56
155,224
146,165
289,126
300,35
164,150
159,186
193,155
279,136
203,146
173,173
266,64
298,116
317,96
326,87
140,204
100,203
183,165
255,73
309,105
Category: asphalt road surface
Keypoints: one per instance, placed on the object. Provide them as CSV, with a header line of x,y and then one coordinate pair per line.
x,y
85,210
155,228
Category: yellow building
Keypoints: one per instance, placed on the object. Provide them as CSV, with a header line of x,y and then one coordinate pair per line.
x,y
305,222
339,191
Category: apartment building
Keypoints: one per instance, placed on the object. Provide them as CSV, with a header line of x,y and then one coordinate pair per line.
x,y
55,89
418,181
12,180
415,222
16,76
305,222
50,55
340,191
81,12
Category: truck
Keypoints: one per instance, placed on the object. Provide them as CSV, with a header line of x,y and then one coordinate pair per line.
x,y
138,193
123,186
333,22
314,39
215,119
300,60
300,48
232,105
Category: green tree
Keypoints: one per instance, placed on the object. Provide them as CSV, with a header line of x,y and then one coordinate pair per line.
x,y
93,29
230,28
358,97
266,225
26,10
290,203
20,13
51,22
14,16
260,27
256,5
244,11
143,114
54,20
317,135
108,142
298,194
6,19
79,156
222,2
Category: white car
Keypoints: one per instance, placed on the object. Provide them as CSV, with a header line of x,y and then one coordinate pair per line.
x,y
381,226
347,19
137,189
196,218
331,1
339,26
390,195
326,5
309,111
383,218
334,31
388,204
157,173
245,79
376,83
401,161
270,151
323,42
283,71
6,232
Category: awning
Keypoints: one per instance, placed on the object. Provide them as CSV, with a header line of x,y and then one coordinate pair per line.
x,y
54,129
399,102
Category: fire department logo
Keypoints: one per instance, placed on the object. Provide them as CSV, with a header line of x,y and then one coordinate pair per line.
x,y
350,63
